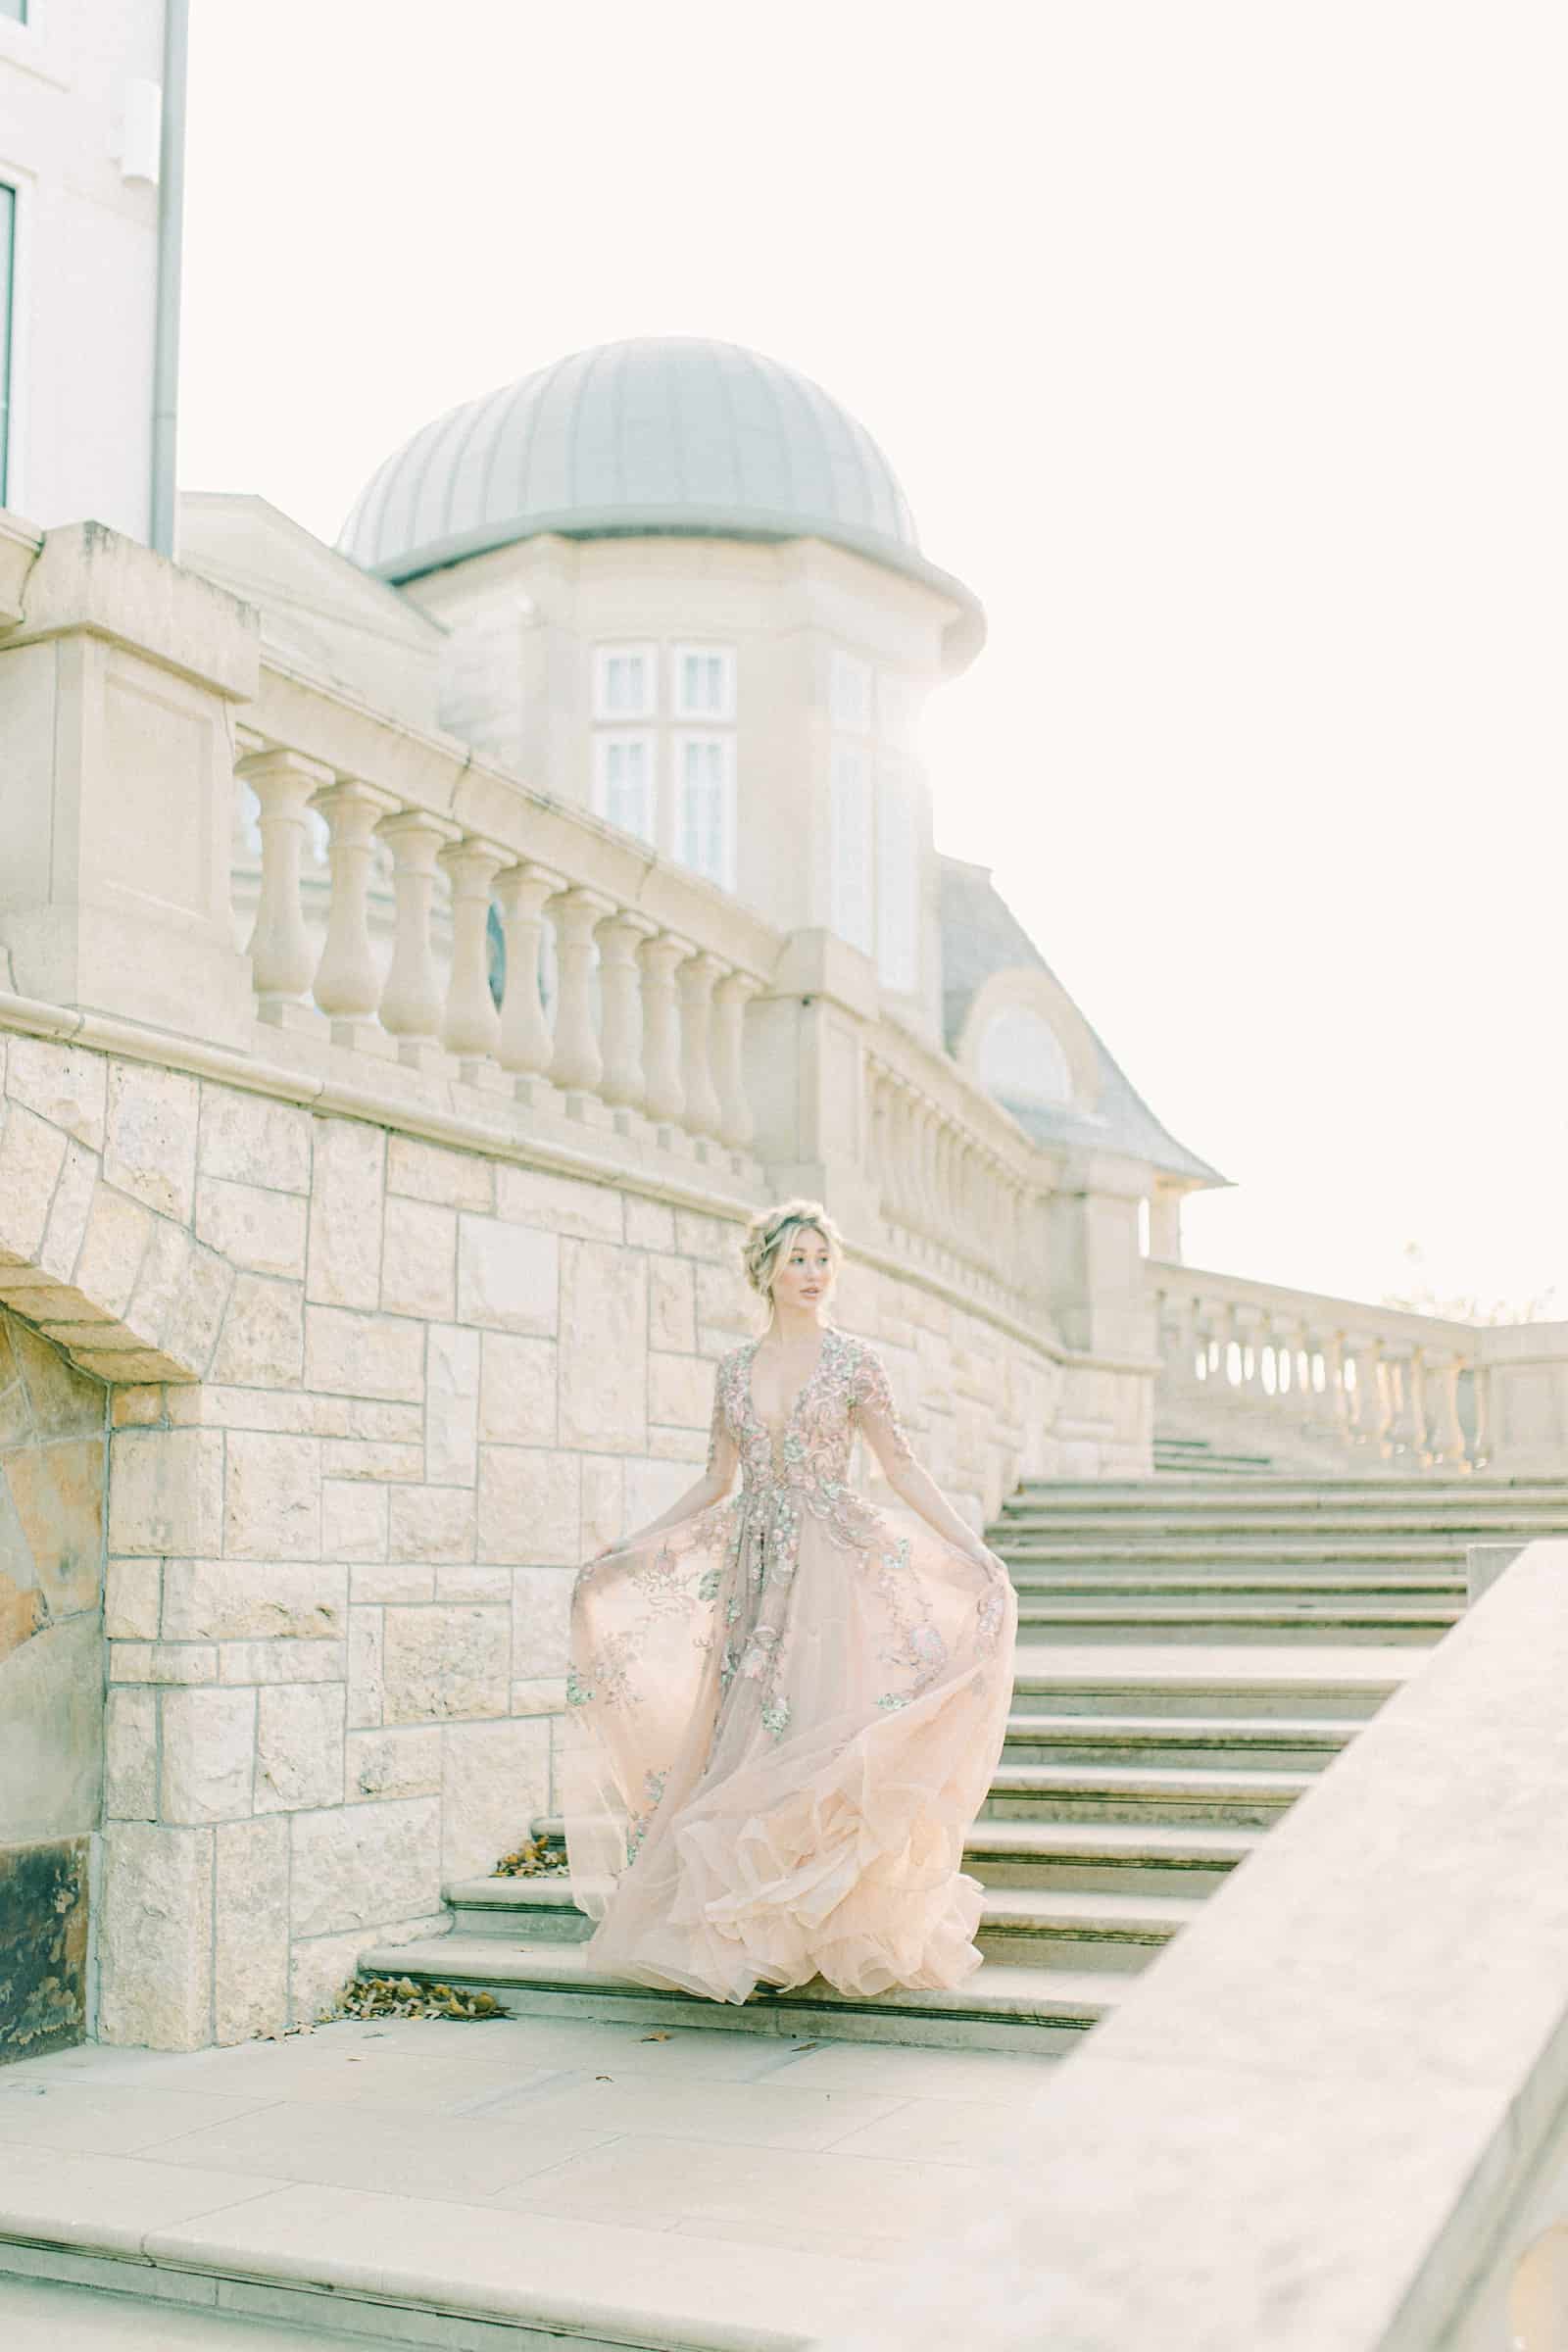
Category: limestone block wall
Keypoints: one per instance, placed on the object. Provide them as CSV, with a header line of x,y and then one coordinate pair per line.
x,y
371,1398
53,1422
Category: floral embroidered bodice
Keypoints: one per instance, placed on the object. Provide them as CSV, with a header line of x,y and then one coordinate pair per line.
x,y
803,1457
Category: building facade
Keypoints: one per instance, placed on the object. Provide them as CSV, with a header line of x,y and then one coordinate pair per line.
x,y
82,232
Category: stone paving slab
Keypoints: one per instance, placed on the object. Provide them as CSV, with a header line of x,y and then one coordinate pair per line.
x,y
473,2184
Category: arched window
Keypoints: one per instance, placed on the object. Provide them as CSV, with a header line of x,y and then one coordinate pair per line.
x,y
1022,1060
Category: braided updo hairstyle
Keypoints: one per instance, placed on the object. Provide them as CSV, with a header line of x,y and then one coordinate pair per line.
x,y
772,1231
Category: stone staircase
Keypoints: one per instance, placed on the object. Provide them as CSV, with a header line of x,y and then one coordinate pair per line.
x,y
1194,1647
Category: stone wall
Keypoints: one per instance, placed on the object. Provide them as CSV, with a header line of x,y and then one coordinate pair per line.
x,y
52,1445
372,1400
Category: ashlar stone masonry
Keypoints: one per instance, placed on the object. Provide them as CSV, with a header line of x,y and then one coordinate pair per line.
x,y
366,1400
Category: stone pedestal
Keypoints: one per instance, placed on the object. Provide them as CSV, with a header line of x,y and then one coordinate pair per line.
x,y
1100,1301
806,1075
117,694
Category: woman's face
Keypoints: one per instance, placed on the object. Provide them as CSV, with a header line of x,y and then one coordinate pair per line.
x,y
802,1279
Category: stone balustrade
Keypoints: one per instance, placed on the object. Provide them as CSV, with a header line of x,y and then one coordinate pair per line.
x,y
626,980
958,1182
1405,1389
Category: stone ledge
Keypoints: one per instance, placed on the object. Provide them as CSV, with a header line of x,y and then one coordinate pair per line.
x,y
424,2262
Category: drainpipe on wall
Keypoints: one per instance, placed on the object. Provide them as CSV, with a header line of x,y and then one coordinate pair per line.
x,y
171,231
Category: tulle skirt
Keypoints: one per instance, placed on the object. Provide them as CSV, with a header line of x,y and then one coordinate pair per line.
x,y
778,1735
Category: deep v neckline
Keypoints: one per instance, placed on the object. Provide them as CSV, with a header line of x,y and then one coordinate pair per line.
x,y
778,1427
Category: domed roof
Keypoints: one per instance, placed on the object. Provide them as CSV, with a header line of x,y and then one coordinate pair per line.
x,y
655,434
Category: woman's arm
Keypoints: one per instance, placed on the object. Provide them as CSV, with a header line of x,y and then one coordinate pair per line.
x,y
878,1418
717,1478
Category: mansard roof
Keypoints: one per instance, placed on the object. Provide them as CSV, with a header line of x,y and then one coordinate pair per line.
x,y
982,937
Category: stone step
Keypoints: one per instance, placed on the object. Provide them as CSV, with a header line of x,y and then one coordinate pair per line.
x,y
1106,1857
1277,1555
1221,1742
1002,2007
104,2254
1032,1926
1334,1493
1452,1521
1090,1857
1185,1680
1237,1621
1174,1797
1180,1583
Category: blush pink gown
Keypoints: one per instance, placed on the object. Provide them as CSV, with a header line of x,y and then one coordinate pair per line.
x,y
784,1714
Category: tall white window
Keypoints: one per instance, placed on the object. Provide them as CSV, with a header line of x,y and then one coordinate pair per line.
x,y
703,678
624,782
851,694
898,885
705,806
851,896
625,682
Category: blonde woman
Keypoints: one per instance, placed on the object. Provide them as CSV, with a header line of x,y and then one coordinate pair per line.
x,y
785,1708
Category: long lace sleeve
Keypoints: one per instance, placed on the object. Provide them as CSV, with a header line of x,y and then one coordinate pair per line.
x,y
723,1454
879,1415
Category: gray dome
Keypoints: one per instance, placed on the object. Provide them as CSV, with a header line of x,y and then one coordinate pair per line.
x,y
660,434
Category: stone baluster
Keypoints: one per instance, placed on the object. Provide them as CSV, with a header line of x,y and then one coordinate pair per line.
x,y
942,1181
1369,1414
1037,1270
963,1223
664,1095
1336,1403
1178,1340
525,1044
1285,1337
882,1142
410,996
1483,1409
620,1015
1220,1317
696,981
905,1193
1246,1330
347,983
930,1206
1314,1344
737,1124
1206,1340
471,1028
577,1065
1446,1438
1408,1425
282,959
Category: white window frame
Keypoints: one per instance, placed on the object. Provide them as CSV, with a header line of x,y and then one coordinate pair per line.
x,y
726,655
852,691
609,739
22,186
618,650
852,840
726,879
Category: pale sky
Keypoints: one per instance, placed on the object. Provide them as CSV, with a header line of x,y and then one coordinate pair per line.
x,y
1220,348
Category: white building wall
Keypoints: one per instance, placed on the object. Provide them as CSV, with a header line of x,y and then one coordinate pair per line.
x,y
86,257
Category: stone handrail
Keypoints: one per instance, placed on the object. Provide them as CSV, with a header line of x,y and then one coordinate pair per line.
x,y
1316,2120
956,1177
1404,1389
654,967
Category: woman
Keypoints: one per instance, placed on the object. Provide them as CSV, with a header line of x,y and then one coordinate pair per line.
x,y
785,1708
